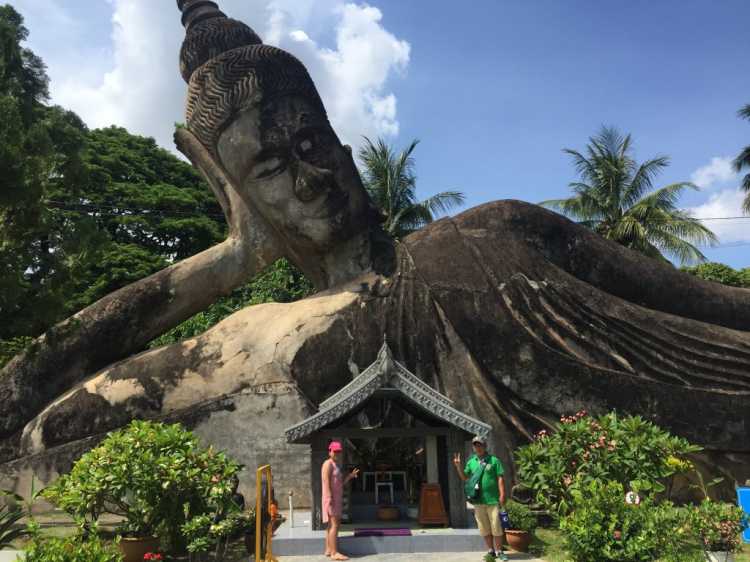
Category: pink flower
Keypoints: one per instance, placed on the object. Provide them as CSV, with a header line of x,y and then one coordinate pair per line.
x,y
567,480
617,535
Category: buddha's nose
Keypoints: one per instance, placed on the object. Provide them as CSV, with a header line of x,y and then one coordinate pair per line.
x,y
311,181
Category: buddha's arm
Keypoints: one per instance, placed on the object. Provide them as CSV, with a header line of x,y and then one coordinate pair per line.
x,y
123,323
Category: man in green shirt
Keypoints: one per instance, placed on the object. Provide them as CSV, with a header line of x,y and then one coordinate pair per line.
x,y
491,495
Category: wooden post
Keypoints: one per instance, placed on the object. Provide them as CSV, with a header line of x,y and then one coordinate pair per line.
x,y
456,499
318,455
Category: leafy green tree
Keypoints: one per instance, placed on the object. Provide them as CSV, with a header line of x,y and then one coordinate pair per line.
x,y
614,199
142,194
742,162
721,273
147,207
391,182
39,155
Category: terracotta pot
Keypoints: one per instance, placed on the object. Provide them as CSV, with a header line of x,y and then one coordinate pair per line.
x,y
388,513
133,550
721,557
518,540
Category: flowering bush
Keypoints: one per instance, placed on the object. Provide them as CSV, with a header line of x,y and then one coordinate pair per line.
x,y
602,526
152,556
206,531
584,449
154,475
84,546
717,526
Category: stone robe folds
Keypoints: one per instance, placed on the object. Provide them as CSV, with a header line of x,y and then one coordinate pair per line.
x,y
514,312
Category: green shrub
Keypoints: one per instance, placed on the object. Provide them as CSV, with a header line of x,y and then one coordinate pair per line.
x,y
154,475
602,526
84,546
520,516
7,532
9,518
627,450
716,526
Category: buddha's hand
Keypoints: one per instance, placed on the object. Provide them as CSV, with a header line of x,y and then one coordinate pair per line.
x,y
245,223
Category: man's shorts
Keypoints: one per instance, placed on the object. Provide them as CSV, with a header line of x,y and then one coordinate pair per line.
x,y
488,519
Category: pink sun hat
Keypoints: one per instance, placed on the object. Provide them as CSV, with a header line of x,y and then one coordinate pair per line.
x,y
334,446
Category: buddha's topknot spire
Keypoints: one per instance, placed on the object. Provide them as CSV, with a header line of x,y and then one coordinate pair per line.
x,y
208,34
196,11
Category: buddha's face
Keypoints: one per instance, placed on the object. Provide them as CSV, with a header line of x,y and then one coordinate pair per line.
x,y
284,156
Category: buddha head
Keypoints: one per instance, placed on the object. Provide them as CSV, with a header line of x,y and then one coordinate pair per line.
x,y
255,110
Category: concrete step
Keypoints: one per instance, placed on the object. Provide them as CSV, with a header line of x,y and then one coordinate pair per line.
x,y
432,540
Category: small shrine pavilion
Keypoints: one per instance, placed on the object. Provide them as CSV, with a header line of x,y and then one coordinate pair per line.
x,y
430,418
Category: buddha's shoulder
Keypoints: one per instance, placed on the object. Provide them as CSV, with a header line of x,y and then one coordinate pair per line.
x,y
504,216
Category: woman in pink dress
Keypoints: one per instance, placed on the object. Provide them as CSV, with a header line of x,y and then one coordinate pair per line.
x,y
333,495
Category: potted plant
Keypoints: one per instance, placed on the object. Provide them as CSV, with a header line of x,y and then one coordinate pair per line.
x,y
717,526
521,523
153,475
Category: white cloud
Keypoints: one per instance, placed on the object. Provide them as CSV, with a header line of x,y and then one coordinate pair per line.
x,y
721,205
134,82
352,77
717,172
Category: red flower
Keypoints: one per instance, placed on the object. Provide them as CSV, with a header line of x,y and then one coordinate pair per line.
x,y
617,535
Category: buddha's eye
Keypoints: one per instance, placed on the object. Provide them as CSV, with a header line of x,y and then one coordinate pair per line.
x,y
312,145
267,166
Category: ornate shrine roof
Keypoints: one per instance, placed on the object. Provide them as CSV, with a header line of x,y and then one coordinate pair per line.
x,y
385,375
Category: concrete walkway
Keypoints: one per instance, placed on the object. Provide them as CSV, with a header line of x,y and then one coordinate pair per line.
x,y
10,556
413,557
297,542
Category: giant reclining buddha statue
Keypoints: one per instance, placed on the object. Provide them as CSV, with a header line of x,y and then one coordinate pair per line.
x,y
514,312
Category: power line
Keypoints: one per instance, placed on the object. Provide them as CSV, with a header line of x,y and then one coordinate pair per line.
x,y
96,207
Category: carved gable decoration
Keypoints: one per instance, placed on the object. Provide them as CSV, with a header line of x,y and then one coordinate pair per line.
x,y
385,375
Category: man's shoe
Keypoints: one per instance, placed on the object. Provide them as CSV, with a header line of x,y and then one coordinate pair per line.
x,y
501,556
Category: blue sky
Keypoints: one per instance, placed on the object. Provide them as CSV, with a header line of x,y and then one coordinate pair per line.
x,y
493,88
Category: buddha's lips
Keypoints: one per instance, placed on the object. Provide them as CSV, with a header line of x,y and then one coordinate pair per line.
x,y
331,205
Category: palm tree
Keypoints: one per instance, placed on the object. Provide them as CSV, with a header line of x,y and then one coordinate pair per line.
x,y
614,199
390,180
743,161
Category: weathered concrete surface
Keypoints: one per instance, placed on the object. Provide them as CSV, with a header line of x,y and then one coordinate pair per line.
x,y
515,336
